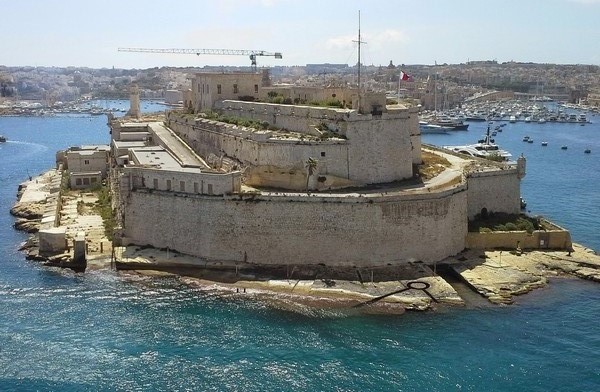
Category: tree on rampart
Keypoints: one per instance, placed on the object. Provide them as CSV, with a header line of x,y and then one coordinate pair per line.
x,y
311,167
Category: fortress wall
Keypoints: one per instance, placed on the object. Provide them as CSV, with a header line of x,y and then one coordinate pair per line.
x,y
497,191
299,229
210,138
291,117
380,148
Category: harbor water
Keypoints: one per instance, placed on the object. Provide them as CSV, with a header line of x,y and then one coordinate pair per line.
x,y
105,331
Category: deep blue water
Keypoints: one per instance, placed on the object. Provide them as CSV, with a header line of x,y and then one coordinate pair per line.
x,y
100,330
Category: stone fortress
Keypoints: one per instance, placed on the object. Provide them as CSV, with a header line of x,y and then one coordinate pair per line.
x,y
312,185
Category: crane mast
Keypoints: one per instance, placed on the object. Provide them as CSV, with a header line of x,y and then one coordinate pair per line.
x,y
252,54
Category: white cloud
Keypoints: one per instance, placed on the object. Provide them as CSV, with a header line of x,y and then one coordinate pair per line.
x,y
340,42
381,39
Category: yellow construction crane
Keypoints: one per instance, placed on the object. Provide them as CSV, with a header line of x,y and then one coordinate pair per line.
x,y
233,52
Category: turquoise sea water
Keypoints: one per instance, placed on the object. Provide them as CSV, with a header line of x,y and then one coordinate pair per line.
x,y
62,331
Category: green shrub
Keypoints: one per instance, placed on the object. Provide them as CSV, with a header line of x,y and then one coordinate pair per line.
x,y
510,226
525,224
485,230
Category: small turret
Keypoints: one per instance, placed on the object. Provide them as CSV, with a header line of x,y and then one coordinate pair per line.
x,y
521,165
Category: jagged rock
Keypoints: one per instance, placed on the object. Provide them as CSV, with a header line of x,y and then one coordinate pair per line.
x,y
33,254
60,258
28,210
30,226
31,243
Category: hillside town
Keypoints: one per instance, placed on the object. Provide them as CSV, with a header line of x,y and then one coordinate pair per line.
x,y
434,87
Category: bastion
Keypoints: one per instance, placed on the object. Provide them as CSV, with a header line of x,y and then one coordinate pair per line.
x,y
299,185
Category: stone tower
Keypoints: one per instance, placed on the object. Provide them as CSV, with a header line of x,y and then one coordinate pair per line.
x,y
134,101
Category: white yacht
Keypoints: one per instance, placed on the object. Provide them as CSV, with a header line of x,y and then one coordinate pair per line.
x,y
484,148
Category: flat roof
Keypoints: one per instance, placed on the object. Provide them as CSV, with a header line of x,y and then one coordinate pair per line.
x,y
177,147
90,147
160,159
129,143
85,152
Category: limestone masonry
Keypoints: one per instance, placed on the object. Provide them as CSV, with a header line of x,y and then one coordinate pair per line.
x,y
295,184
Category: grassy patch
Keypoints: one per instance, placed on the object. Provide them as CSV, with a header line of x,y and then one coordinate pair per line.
x,y
432,165
104,209
504,222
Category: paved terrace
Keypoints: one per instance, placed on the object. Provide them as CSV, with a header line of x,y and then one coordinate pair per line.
x,y
182,152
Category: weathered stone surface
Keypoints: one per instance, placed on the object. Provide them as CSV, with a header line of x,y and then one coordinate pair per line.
x,y
500,276
33,210
30,226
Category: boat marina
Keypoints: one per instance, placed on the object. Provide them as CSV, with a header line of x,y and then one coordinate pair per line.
x,y
513,111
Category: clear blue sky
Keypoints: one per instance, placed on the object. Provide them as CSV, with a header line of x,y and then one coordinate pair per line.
x,y
88,33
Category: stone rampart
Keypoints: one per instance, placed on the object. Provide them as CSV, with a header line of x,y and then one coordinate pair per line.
x,y
494,190
254,148
299,229
379,148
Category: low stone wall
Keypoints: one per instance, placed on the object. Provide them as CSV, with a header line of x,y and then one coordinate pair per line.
x,y
539,239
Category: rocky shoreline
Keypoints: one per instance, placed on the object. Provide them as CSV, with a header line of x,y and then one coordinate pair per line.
x,y
494,276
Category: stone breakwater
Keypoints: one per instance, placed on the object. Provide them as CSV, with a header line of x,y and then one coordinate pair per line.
x,y
38,203
55,219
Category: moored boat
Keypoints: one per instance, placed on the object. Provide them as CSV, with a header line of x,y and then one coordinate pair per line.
x,y
484,148
2,139
432,128
449,122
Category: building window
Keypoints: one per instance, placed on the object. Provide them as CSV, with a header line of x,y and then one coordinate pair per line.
x,y
235,89
155,183
210,191
256,88
86,181
78,181
182,186
218,89
195,187
322,153
168,185
202,88
93,180
86,162
207,88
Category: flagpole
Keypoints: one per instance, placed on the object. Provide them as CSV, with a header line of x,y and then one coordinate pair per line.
x,y
399,80
359,42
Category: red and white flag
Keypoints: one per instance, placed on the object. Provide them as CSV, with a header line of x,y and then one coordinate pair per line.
x,y
405,77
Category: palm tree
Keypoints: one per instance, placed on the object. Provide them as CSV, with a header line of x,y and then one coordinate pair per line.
x,y
311,166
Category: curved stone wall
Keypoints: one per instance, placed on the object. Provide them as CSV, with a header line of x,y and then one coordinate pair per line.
x,y
301,229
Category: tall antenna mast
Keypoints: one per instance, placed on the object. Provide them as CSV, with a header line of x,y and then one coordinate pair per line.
x,y
359,42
